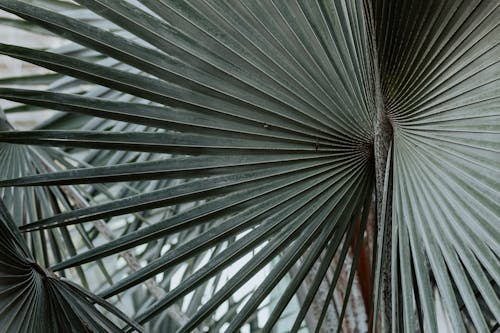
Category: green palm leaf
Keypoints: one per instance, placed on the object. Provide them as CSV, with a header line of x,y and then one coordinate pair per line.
x,y
221,144
33,299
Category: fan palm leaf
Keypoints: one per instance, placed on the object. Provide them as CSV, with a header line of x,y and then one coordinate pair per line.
x,y
252,136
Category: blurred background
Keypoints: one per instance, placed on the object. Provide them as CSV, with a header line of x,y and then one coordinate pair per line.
x,y
10,67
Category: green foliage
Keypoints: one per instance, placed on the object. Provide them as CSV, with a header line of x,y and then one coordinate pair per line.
x,y
211,165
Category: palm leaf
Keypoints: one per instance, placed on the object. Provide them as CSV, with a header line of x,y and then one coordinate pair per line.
x,y
33,299
250,133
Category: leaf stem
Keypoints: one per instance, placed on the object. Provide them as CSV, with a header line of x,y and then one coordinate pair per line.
x,y
383,135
